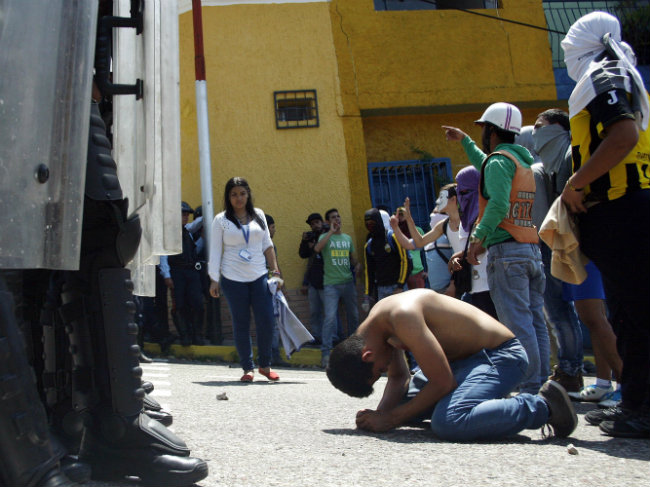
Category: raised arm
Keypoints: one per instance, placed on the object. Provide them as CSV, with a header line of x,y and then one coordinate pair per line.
x,y
322,242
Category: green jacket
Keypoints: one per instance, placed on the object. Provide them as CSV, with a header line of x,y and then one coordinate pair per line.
x,y
497,182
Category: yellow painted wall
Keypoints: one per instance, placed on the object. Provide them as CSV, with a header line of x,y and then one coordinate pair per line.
x,y
391,138
386,81
252,51
431,58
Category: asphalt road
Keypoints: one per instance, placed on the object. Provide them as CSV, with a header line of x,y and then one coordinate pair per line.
x,y
301,432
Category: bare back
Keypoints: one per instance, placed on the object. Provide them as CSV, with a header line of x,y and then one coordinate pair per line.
x,y
460,328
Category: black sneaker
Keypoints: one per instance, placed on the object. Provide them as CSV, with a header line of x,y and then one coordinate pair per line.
x,y
597,416
562,418
571,383
636,424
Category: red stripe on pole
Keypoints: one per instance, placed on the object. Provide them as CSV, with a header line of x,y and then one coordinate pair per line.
x,y
199,59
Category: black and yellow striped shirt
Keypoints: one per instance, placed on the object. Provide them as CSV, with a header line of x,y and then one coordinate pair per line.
x,y
588,129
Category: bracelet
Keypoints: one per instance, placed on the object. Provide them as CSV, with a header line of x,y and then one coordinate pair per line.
x,y
276,273
572,187
474,239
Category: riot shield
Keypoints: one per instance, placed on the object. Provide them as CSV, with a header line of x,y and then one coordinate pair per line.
x,y
147,133
46,63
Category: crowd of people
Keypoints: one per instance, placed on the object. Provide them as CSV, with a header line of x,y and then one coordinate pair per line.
x,y
594,164
483,249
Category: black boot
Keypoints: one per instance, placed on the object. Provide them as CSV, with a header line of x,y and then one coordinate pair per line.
x,y
121,440
28,457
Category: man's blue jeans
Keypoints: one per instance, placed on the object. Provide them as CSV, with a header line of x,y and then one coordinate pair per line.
x,y
385,291
315,297
241,296
476,410
516,279
332,293
562,318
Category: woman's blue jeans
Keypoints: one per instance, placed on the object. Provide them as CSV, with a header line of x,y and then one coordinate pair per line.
x,y
241,296
476,410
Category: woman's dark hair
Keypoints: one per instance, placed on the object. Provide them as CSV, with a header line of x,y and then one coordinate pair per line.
x,y
347,371
450,188
250,209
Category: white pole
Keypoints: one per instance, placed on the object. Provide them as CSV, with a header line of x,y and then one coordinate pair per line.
x,y
202,121
204,158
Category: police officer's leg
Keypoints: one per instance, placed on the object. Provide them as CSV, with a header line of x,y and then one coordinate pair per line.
x,y
183,322
195,301
28,456
98,306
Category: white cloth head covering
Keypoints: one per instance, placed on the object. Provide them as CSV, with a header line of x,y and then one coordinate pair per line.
x,y
385,218
525,139
587,38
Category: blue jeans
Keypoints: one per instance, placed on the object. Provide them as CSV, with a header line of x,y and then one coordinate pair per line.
x,y
384,291
315,297
516,279
332,293
476,410
562,318
241,296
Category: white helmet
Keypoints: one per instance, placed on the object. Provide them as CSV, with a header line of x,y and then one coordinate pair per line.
x,y
503,115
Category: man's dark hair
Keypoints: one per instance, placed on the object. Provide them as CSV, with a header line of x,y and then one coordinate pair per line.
x,y
347,372
327,213
555,115
503,135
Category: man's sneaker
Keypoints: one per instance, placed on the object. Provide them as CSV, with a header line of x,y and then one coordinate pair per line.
x,y
591,393
610,400
562,416
597,416
635,425
325,361
571,383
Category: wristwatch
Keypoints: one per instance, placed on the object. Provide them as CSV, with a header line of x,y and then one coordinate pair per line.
x,y
474,239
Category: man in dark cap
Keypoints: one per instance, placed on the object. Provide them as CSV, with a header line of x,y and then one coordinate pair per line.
x,y
313,280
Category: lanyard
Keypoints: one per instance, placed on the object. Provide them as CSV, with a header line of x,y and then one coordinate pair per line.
x,y
246,231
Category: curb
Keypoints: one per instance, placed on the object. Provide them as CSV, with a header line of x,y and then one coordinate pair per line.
x,y
307,357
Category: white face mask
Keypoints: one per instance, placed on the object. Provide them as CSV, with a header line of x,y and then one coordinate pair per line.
x,y
437,217
441,202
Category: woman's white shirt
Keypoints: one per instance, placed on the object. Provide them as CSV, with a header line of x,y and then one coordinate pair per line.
x,y
228,243
479,272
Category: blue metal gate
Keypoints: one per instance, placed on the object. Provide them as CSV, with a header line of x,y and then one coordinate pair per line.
x,y
391,182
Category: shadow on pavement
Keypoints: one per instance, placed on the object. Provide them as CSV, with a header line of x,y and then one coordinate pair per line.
x,y
410,434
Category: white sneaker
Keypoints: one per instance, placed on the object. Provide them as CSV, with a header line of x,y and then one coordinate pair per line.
x,y
591,393
610,400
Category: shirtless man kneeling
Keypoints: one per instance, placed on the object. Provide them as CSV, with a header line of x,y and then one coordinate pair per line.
x,y
469,362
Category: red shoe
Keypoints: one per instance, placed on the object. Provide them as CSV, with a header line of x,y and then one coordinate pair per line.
x,y
269,375
247,377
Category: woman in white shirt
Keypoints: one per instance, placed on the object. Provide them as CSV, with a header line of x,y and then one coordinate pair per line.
x,y
240,249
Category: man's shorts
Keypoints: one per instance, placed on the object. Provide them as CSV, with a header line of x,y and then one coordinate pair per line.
x,y
591,288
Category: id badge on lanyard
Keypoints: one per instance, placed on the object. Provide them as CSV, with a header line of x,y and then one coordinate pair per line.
x,y
244,254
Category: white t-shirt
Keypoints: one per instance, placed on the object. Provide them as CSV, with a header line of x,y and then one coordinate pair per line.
x,y
479,272
230,254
